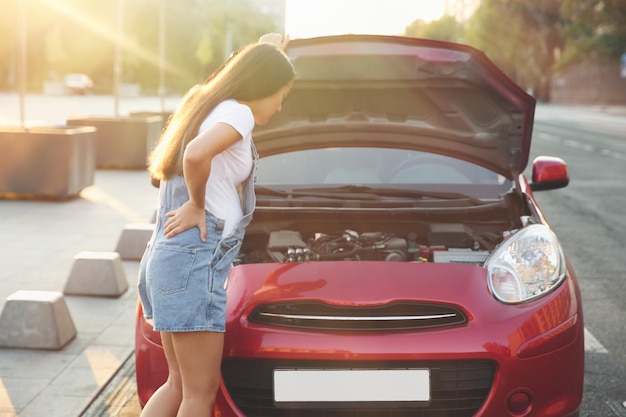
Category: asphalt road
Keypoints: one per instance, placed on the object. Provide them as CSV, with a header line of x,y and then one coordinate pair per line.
x,y
589,216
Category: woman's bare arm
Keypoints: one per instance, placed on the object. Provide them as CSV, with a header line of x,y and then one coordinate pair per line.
x,y
196,169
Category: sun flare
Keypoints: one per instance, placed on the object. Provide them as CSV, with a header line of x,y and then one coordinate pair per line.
x,y
330,17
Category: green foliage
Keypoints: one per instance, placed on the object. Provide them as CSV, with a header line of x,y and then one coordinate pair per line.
x,y
55,53
81,36
528,39
522,37
531,40
8,42
204,53
445,29
594,28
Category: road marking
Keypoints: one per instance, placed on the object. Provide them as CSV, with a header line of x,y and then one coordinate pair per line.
x,y
578,145
616,407
613,154
548,137
592,344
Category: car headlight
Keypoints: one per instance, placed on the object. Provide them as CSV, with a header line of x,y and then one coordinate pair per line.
x,y
527,265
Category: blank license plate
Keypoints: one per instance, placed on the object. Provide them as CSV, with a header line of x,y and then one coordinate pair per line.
x,y
354,385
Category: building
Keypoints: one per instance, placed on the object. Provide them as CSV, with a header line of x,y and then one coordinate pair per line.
x,y
597,81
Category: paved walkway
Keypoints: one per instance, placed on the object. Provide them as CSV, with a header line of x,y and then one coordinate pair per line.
x,y
38,242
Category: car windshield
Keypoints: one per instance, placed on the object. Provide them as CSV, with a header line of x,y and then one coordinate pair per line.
x,y
378,168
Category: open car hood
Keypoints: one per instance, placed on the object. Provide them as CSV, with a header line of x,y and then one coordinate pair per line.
x,y
372,90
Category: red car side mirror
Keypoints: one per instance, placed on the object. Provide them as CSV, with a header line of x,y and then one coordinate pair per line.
x,y
549,173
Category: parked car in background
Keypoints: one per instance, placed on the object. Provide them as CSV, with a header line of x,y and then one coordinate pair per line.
x,y
78,83
398,263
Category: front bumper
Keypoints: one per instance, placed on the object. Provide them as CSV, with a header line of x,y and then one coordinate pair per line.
x,y
514,361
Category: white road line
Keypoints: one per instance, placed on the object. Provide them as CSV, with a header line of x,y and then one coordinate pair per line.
x,y
548,137
592,344
578,145
583,146
616,407
613,154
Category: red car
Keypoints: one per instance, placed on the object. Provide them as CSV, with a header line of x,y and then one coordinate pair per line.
x,y
397,263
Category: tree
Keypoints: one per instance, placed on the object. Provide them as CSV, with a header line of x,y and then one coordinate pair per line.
x,y
55,53
594,28
80,36
445,29
522,37
196,36
205,53
8,44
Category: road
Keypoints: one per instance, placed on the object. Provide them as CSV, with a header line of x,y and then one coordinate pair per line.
x,y
589,216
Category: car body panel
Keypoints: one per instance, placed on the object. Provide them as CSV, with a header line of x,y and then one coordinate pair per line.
x,y
359,284
507,331
430,95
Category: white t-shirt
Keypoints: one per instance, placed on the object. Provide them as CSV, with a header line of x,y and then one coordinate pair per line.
x,y
231,167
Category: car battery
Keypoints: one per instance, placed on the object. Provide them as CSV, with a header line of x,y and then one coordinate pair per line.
x,y
450,235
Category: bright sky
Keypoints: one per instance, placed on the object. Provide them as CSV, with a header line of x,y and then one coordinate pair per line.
x,y
307,18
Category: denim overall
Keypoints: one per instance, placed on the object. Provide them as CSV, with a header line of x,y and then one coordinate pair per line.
x,y
182,279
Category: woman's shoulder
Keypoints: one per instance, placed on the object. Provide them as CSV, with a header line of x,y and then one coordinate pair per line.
x,y
233,113
232,105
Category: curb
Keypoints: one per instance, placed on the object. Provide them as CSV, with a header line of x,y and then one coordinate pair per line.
x,y
118,397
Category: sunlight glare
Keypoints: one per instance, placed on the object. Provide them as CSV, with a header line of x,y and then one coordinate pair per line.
x,y
106,32
96,195
102,362
331,17
5,400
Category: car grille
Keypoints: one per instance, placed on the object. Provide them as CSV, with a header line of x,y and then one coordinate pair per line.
x,y
393,316
458,388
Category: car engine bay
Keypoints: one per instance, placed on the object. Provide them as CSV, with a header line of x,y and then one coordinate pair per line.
x,y
439,242
288,246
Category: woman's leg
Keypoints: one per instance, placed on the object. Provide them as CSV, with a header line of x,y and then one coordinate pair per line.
x,y
199,357
165,402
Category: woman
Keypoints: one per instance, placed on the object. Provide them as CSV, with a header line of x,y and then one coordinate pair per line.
x,y
205,163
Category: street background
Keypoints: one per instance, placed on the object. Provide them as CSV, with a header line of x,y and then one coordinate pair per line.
x,y
94,375
559,50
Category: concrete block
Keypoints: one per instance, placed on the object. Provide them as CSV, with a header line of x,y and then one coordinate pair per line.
x,y
133,240
46,162
122,142
36,320
97,274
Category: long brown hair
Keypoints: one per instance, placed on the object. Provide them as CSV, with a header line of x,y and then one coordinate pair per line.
x,y
254,72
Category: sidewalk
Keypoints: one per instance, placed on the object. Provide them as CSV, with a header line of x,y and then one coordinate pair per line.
x,y
38,242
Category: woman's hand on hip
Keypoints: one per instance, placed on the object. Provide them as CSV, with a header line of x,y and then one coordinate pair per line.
x,y
184,218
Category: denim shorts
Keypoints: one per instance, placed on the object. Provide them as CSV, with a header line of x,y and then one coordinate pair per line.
x,y
182,279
